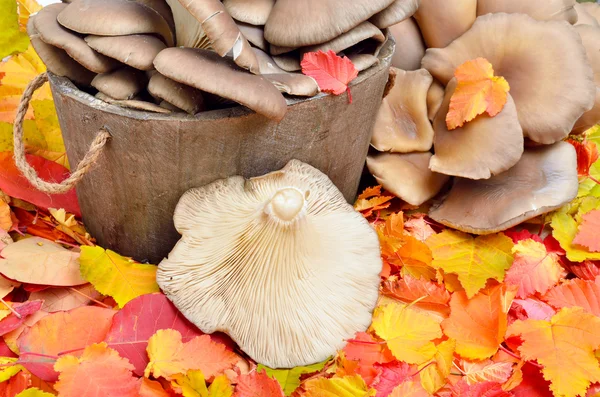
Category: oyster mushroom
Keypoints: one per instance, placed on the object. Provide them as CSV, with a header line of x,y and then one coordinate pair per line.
x,y
590,36
482,147
254,12
136,50
133,104
395,13
410,47
592,9
402,124
407,175
543,180
179,95
124,83
254,34
435,97
364,31
584,17
188,29
266,259
442,21
551,91
542,10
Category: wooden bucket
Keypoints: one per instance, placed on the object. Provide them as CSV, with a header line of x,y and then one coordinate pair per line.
x,y
128,198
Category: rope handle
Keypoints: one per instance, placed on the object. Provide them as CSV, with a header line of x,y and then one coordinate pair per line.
x,y
19,147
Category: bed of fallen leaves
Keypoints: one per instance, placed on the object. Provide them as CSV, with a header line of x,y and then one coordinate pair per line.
x,y
509,314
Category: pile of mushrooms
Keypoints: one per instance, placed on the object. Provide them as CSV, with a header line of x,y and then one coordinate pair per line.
x,y
195,55
504,169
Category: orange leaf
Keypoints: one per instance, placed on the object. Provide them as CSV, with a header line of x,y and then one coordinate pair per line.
x,y
100,372
485,389
344,367
6,222
332,72
367,350
257,384
587,234
478,324
581,293
478,91
486,371
409,289
587,155
409,388
152,388
371,200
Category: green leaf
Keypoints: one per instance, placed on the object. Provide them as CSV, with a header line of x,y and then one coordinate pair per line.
x,y
12,40
289,379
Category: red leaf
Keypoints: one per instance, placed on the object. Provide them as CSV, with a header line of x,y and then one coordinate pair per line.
x,y
332,72
15,385
392,374
484,389
5,350
531,309
587,270
257,384
367,350
523,234
25,309
582,293
587,154
533,384
13,183
140,318
587,234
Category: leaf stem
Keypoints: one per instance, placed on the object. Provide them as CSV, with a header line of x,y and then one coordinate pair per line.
x,y
13,311
90,298
513,355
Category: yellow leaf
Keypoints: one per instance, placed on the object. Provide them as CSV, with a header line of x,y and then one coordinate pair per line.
x,y
289,379
474,260
408,332
478,91
12,39
26,8
486,371
117,276
9,368
34,392
409,388
565,226
46,121
434,377
348,386
5,218
564,346
193,384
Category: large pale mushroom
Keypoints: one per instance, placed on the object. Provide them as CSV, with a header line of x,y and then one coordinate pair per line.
x,y
584,17
593,9
481,148
542,10
442,21
407,175
265,260
402,124
395,13
543,180
550,91
410,47
590,36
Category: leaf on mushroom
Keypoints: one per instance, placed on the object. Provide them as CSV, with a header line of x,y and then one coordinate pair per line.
x,y
332,72
478,91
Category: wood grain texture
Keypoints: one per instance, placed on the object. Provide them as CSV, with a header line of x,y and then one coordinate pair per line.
x,y
129,196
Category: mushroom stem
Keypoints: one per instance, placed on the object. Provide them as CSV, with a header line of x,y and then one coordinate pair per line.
x,y
286,204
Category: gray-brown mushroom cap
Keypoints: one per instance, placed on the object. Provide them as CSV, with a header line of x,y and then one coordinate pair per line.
x,y
296,84
254,34
551,92
180,95
543,180
114,18
249,90
364,31
51,32
136,50
542,10
294,23
482,147
443,21
254,12
264,260
395,13
410,47
122,84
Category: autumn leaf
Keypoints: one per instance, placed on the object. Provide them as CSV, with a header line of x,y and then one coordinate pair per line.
x,y
59,333
372,200
486,371
289,379
434,377
117,276
345,367
408,333
485,389
409,289
478,91
12,39
6,222
333,73
193,384
365,348
533,384
587,155
13,321
474,260
9,368
64,299
532,309
565,227
99,372
564,346
587,234
34,392
409,388
576,293
534,268
257,384
169,355
152,388
391,375
26,8
39,261
348,386
478,324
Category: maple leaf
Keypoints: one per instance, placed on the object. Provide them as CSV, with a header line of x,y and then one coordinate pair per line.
x,y
372,200
486,371
289,379
61,332
533,384
474,260
39,261
534,269
169,355
478,324
419,228
348,386
64,299
565,347
485,389
576,293
477,91
193,384
409,333
257,384
565,224
12,39
409,388
99,372
434,377
408,289
333,73
345,367
587,234
117,276
34,392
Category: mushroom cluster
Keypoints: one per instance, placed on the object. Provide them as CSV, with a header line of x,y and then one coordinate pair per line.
x,y
504,169
195,55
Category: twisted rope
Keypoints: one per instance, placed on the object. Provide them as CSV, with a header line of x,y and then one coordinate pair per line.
x,y
19,147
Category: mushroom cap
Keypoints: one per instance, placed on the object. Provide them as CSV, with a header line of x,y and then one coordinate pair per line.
x,y
133,104
294,23
266,64
163,9
407,175
277,50
542,10
180,95
254,34
364,31
114,18
482,147
397,12
590,37
189,32
584,17
258,94
136,50
410,47
443,21
543,180
57,61
435,97
551,92
290,61
254,12
124,83
51,32
265,260
294,84
592,9
402,124
363,61
589,118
